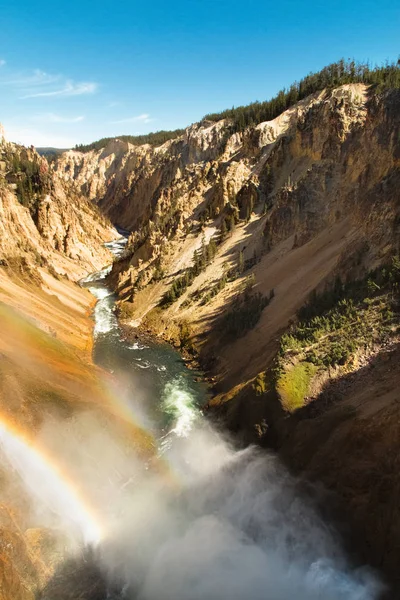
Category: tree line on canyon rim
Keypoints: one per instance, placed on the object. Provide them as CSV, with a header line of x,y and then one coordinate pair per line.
x,y
26,172
382,77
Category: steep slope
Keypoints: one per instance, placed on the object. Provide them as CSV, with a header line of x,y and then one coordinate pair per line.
x,y
49,239
55,405
44,223
296,194
232,233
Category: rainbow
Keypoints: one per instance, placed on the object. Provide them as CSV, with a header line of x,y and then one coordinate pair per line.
x,y
152,450
139,427
48,483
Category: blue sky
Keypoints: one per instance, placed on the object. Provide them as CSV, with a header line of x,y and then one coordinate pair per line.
x,y
74,72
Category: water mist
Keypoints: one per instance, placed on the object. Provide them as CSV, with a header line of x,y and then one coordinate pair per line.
x,y
213,524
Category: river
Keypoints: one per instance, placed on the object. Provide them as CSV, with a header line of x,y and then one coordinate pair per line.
x,y
174,393
233,524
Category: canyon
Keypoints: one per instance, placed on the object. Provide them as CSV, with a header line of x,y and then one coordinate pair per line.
x,y
232,234
288,208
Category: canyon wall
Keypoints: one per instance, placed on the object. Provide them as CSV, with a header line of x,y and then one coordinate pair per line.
x,y
232,232
305,197
49,239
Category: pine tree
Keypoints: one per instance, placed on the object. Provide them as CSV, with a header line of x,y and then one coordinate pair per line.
x,y
223,228
187,279
212,250
241,262
203,251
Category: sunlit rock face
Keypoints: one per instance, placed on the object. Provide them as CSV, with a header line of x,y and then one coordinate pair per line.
x,y
331,157
135,184
46,224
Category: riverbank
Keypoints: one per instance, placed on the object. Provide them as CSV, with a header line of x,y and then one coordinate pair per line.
x,y
144,334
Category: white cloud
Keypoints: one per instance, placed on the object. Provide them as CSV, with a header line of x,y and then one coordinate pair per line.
x,y
39,84
58,119
2,62
54,118
36,78
144,118
69,89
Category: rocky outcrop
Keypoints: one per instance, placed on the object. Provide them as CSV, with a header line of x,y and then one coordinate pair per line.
x,y
135,184
43,223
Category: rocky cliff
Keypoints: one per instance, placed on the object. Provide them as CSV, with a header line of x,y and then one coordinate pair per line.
x,y
50,237
44,222
298,199
231,234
